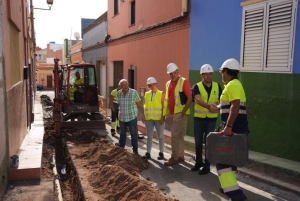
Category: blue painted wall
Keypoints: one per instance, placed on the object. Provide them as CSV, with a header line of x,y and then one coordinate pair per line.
x,y
215,32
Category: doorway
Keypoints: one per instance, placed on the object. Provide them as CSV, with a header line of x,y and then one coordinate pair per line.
x,y
118,72
49,82
102,79
131,76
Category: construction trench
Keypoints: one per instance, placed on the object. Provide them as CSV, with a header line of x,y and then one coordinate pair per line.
x,y
86,166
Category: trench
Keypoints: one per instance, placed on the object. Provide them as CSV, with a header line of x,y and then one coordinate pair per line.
x,y
68,175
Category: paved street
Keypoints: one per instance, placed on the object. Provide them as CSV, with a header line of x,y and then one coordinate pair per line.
x,y
179,182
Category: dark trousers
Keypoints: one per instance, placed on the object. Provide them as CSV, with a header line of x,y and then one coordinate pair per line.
x,y
202,127
132,125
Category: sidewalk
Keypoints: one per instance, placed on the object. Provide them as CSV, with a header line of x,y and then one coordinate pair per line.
x,y
257,160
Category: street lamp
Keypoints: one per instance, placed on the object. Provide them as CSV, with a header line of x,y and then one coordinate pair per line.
x,y
49,2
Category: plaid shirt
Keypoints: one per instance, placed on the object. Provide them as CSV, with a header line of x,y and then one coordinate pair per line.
x,y
127,105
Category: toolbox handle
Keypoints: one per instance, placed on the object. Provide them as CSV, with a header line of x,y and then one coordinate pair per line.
x,y
222,134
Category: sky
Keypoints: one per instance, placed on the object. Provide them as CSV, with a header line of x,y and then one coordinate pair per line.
x,y
64,19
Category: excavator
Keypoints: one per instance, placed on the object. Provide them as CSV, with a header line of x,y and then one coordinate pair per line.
x,y
76,103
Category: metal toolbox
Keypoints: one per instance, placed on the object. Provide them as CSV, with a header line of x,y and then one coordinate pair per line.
x,y
229,150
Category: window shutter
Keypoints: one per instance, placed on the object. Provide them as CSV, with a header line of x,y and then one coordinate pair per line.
x,y
279,36
253,37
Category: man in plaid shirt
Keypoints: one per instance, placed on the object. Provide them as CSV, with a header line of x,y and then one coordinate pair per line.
x,y
129,102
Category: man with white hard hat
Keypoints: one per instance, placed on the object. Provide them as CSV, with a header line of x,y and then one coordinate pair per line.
x,y
176,105
207,95
234,120
153,117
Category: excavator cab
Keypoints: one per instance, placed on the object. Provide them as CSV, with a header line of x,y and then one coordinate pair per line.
x,y
79,92
76,97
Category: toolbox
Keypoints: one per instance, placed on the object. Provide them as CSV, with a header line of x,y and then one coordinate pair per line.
x,y
229,150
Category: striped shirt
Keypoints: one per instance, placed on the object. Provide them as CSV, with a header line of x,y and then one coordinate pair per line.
x,y
127,105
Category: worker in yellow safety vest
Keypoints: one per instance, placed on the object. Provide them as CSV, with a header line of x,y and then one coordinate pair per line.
x,y
234,120
153,117
77,83
206,93
176,105
114,111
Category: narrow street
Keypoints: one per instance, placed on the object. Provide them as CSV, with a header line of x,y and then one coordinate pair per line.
x,y
179,182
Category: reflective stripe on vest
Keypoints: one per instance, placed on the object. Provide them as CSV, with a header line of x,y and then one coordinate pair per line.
x,y
153,108
225,108
178,107
203,112
227,179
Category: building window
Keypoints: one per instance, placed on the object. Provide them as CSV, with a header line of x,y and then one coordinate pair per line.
x,y
116,7
268,36
132,12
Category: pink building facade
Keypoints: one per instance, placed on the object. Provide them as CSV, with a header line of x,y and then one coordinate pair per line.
x,y
143,38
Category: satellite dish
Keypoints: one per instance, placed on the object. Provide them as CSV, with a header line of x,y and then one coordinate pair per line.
x,y
77,36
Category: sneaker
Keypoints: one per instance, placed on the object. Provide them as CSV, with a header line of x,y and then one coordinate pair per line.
x,y
196,167
160,156
204,171
181,159
147,156
171,161
140,137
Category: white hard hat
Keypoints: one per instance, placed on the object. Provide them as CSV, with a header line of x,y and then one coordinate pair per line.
x,y
231,64
171,68
151,80
206,68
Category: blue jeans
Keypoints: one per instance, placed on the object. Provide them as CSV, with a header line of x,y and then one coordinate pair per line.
x,y
150,124
202,126
132,125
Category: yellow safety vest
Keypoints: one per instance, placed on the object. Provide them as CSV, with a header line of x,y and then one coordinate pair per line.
x,y
153,108
79,81
178,107
203,112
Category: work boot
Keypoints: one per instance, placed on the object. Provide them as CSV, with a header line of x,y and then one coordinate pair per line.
x,y
135,152
196,167
181,159
113,132
160,156
204,171
147,156
171,161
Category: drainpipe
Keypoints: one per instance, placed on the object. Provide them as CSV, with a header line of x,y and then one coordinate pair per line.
x,y
32,88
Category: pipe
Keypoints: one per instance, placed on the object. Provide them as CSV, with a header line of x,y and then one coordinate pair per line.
x,y
56,181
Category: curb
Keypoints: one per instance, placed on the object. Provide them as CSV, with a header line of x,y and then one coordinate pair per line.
x,y
256,174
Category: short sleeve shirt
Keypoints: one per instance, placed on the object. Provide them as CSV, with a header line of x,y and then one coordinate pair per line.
x,y
186,89
127,105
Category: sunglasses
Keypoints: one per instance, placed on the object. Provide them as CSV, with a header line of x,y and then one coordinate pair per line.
x,y
150,85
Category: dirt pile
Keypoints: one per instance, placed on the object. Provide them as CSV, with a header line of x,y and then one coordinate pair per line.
x,y
100,170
